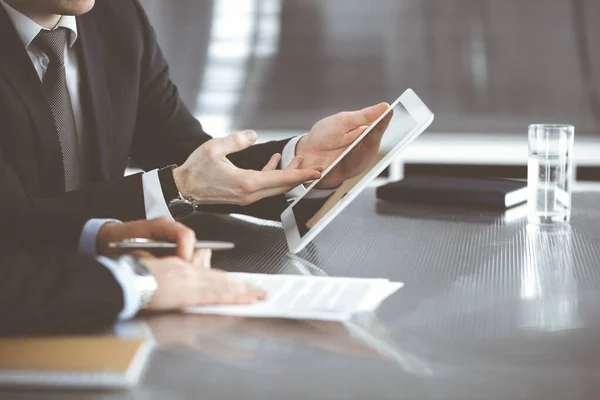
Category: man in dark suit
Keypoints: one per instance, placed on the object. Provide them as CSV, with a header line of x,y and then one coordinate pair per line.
x,y
84,87
79,288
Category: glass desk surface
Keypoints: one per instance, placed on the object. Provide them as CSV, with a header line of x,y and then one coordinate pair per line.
x,y
491,309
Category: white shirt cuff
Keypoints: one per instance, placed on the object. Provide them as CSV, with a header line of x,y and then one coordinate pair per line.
x,y
154,201
287,155
289,152
89,235
126,278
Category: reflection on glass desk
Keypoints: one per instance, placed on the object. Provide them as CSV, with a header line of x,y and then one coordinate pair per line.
x,y
491,309
244,342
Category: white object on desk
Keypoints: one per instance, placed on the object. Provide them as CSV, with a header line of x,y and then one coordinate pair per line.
x,y
309,297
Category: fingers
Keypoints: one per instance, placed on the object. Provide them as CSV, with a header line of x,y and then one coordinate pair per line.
x,y
156,229
232,143
279,182
270,192
382,126
181,285
244,289
296,162
277,190
373,138
142,254
270,181
283,178
169,230
353,119
273,162
201,258
221,288
276,158
252,184
225,281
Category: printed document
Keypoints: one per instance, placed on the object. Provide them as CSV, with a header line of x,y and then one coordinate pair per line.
x,y
309,297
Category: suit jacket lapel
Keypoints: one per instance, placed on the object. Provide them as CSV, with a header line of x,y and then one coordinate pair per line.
x,y
18,69
96,97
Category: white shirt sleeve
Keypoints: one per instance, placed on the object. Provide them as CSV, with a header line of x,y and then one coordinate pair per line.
x,y
154,201
287,155
89,234
126,278
289,151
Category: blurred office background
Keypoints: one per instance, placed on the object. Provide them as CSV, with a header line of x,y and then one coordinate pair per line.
x,y
486,68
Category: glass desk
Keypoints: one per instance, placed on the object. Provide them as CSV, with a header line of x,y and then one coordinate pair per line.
x,y
491,309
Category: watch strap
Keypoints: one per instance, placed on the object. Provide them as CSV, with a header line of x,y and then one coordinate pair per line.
x,y
145,283
167,183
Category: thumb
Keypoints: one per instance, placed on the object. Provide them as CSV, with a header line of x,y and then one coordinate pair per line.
x,y
234,142
355,119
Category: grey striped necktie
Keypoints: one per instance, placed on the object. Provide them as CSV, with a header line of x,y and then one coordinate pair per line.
x,y
57,94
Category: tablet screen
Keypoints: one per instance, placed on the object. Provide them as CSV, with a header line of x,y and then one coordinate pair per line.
x,y
380,140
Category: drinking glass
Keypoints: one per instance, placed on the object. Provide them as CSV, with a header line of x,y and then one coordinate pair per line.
x,y
550,173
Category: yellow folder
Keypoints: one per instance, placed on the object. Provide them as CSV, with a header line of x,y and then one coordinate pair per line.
x,y
75,361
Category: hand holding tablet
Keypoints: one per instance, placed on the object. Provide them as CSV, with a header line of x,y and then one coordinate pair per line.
x,y
331,136
369,154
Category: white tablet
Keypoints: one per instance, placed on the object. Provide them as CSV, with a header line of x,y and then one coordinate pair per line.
x,y
402,123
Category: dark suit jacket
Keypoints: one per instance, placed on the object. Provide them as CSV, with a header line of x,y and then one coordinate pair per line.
x,y
131,109
49,291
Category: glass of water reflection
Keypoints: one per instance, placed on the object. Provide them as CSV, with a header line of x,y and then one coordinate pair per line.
x,y
550,173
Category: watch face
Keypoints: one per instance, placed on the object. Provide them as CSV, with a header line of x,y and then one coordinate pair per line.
x,y
180,208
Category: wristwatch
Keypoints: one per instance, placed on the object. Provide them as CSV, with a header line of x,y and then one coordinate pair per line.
x,y
179,206
145,283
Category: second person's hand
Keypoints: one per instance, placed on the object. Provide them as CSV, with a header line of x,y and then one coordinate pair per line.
x,y
156,229
182,285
